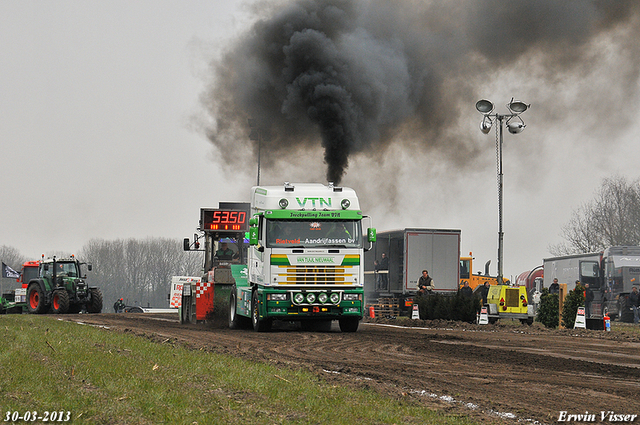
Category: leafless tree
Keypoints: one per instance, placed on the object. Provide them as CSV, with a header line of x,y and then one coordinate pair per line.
x,y
138,270
611,218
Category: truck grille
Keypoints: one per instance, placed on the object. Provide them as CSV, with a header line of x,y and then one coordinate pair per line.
x,y
315,275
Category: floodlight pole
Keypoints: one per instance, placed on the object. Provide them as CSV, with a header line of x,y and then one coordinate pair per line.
x,y
485,107
500,119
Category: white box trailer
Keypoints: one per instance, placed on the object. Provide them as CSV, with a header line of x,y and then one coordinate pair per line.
x,y
410,251
567,269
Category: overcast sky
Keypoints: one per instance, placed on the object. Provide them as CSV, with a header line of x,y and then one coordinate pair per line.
x,y
101,128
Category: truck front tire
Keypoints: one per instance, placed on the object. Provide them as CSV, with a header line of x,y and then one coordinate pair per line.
x,y
259,325
349,324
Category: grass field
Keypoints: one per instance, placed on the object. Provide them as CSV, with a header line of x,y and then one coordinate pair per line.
x,y
101,376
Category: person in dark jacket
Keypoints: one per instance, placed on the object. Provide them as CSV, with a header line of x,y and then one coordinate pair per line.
x,y
425,283
484,291
554,288
383,267
118,306
588,297
466,290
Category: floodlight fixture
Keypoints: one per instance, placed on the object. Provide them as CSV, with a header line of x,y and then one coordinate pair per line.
x,y
517,106
484,106
516,127
485,125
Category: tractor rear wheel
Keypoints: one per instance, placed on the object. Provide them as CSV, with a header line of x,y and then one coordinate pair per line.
x,y
95,304
35,300
60,302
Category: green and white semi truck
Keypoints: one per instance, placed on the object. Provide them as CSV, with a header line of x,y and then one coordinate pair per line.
x,y
306,258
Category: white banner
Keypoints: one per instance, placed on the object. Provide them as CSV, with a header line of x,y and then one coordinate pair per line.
x,y
581,321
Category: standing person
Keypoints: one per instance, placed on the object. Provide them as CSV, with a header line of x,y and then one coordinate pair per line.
x,y
633,300
554,288
485,292
466,290
384,276
425,283
118,306
588,297
376,267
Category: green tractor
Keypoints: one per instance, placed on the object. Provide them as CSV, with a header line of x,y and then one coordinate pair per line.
x,y
61,288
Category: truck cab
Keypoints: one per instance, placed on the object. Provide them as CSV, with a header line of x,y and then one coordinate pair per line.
x,y
475,280
305,261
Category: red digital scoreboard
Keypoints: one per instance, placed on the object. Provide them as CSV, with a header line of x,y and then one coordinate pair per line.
x,y
224,220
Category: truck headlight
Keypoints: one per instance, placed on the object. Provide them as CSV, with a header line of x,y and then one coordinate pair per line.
x,y
351,297
323,298
298,298
311,298
334,297
277,297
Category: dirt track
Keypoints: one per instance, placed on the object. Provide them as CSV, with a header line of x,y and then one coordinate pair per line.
x,y
490,372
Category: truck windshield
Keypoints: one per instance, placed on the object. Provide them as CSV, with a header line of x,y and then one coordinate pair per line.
x,y
626,261
313,233
623,273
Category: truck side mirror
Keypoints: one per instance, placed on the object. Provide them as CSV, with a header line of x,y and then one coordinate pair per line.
x,y
185,244
371,234
89,267
253,236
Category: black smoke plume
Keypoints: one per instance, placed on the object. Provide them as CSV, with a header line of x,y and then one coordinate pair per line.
x,y
356,75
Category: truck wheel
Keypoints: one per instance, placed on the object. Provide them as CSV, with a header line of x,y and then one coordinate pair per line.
x,y
35,300
95,304
349,324
263,325
60,302
236,321
134,309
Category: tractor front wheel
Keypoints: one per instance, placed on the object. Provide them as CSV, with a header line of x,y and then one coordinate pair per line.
x,y
60,302
35,299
